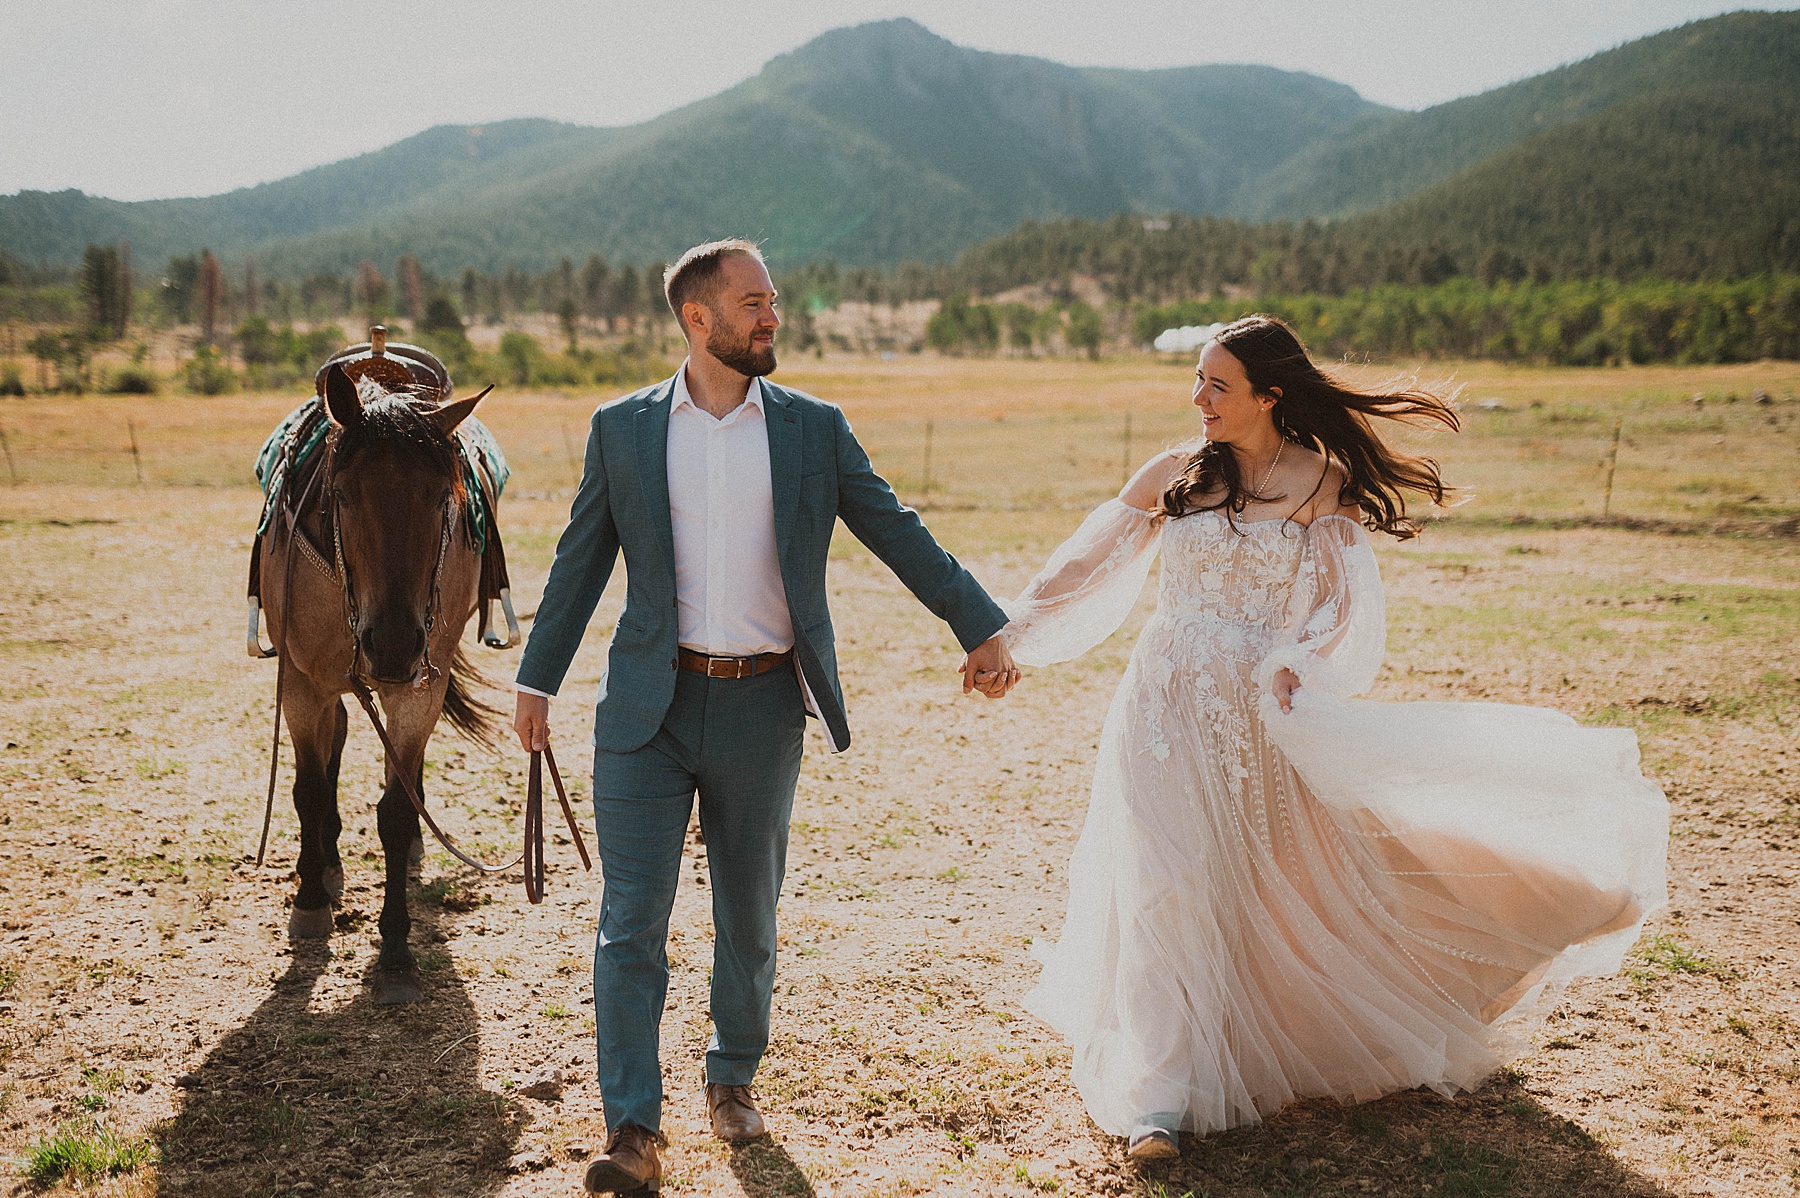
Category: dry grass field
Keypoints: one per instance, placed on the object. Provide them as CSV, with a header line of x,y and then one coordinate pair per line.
x,y
159,1035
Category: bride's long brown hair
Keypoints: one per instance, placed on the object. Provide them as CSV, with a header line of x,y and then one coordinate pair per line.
x,y
1317,411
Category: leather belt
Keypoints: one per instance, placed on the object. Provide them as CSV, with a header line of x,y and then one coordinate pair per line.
x,y
732,667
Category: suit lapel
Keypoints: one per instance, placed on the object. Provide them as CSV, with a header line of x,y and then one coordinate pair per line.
x,y
783,422
651,429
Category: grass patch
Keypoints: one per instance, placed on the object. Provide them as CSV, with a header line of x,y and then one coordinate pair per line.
x,y
279,1122
1660,955
453,895
1462,1169
83,1152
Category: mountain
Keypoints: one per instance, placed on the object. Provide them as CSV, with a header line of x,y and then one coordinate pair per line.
x,y
870,144
1674,154
1392,155
1686,185
414,174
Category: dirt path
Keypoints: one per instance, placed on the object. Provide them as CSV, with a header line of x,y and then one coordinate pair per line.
x,y
148,985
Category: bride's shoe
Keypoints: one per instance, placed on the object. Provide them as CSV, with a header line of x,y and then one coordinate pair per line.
x,y
1151,1144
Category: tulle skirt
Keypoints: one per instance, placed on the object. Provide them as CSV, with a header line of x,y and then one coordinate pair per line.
x,y
1346,900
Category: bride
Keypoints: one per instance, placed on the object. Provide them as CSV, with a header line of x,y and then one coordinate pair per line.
x,y
1282,891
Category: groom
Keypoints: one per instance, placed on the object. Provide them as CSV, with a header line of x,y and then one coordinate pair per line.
x,y
722,489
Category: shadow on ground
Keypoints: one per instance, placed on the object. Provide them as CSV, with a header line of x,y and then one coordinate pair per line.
x,y
356,1100
765,1170
1497,1141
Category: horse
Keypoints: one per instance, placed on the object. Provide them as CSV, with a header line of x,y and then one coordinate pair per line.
x,y
390,577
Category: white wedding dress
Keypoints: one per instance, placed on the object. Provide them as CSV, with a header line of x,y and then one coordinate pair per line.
x,y
1346,900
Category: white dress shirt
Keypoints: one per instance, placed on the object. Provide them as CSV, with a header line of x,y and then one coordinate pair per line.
x,y
728,585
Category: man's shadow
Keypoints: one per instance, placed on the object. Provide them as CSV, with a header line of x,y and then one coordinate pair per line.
x,y
356,1100
765,1170
1497,1140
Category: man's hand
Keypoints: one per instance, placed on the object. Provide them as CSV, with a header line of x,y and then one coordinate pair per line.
x,y
531,720
1285,684
989,669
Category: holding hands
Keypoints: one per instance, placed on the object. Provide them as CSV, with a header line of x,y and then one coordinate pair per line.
x,y
989,669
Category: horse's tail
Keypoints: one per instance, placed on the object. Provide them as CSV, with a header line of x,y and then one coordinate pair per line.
x,y
468,714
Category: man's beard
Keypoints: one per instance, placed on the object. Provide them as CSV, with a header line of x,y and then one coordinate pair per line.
x,y
742,356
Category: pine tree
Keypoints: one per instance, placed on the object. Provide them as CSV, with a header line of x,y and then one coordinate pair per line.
x,y
211,288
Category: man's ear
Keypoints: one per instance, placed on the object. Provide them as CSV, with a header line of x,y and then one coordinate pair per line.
x,y
451,415
341,399
694,316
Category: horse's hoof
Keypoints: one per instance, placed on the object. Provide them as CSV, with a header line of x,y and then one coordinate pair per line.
x,y
416,853
309,925
395,985
333,881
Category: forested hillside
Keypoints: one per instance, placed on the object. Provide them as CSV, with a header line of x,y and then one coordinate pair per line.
x,y
868,144
1394,155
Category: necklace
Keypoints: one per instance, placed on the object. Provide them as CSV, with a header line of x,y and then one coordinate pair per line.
x,y
1270,473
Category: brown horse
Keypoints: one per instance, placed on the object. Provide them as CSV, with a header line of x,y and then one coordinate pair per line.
x,y
385,580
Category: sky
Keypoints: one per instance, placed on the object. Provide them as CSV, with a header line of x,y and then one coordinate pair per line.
x,y
138,99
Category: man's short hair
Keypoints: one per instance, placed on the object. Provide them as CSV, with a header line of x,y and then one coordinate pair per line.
x,y
694,277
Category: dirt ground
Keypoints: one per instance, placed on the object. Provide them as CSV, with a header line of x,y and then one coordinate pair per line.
x,y
152,1009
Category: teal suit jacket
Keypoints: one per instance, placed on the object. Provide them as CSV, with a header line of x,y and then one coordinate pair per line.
x,y
818,473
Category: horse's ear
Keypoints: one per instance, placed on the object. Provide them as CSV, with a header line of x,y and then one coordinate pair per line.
x,y
341,399
453,414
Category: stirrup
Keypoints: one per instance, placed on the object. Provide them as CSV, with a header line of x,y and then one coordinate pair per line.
x,y
253,636
493,639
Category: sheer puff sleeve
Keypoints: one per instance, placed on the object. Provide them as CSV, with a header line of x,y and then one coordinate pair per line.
x,y
1337,629
1086,589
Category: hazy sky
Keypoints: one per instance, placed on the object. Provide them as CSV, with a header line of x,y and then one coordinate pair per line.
x,y
144,98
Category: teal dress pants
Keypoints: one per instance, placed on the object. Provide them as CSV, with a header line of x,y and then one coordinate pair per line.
x,y
736,742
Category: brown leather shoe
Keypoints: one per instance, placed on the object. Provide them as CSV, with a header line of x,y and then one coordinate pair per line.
x,y
629,1165
734,1114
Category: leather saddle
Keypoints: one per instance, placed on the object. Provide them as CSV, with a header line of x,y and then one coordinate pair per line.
x,y
396,366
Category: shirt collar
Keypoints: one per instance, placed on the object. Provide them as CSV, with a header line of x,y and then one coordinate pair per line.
x,y
753,396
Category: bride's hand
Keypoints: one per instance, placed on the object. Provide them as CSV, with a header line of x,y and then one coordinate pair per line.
x,y
1286,683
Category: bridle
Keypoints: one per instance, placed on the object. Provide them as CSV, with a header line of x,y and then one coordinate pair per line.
x,y
428,673
532,855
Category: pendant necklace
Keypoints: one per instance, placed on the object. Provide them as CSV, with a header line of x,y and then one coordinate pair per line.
x,y
1270,473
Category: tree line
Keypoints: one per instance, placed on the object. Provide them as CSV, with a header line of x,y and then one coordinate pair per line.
x,y
1577,322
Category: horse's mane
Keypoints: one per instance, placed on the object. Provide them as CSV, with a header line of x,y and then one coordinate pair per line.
x,y
400,421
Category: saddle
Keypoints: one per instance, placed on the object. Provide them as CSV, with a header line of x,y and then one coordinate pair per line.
x,y
291,458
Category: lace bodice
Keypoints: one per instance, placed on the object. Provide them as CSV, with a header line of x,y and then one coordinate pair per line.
x,y
1303,598
1241,575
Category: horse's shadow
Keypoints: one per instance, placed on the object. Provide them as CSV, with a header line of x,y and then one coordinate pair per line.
x,y
355,1099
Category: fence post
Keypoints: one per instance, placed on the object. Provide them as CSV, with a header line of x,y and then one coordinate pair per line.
x,y
569,453
11,470
137,462
1612,466
1125,470
927,487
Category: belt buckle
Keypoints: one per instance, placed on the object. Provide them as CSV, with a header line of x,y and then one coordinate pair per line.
x,y
746,667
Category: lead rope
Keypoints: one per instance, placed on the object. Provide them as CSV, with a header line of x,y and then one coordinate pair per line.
x,y
532,857
534,823
287,607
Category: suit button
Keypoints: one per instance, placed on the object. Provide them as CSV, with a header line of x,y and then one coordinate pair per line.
x,y
674,663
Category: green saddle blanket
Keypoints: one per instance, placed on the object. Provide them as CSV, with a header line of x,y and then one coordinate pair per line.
x,y
476,448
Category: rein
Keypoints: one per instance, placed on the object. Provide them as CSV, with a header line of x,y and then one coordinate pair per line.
x,y
532,855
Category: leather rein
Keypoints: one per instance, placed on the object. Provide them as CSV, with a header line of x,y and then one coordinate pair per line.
x,y
532,854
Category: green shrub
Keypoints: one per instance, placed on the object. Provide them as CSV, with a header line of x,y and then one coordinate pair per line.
x,y
207,373
133,380
12,382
